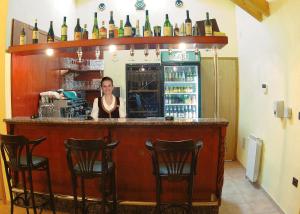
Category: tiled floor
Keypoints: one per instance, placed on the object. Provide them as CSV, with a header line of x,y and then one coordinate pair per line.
x,y
239,196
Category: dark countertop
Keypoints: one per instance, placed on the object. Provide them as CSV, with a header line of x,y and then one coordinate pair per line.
x,y
119,121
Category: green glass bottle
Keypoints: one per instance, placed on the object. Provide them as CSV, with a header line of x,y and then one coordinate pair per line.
x,y
95,33
167,27
121,30
111,26
147,27
35,34
77,31
23,36
208,26
50,36
188,24
64,30
127,28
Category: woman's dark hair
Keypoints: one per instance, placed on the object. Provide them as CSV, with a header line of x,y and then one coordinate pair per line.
x,y
107,79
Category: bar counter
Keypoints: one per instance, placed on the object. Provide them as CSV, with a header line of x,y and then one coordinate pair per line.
x,y
135,181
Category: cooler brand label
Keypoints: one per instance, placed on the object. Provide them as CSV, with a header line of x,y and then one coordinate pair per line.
x,y
188,29
77,35
127,31
147,33
35,35
167,31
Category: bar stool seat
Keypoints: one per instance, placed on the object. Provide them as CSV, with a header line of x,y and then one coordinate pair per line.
x,y
88,159
97,167
17,160
37,161
174,161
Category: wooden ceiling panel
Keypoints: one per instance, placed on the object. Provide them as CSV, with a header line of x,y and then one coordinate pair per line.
x,y
256,8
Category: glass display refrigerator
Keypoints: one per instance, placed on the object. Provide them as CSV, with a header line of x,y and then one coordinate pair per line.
x,y
143,86
181,84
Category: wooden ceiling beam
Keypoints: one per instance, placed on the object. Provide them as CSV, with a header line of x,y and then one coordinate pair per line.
x,y
261,5
249,8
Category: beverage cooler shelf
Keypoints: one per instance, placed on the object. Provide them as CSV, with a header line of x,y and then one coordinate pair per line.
x,y
183,82
181,104
175,93
143,91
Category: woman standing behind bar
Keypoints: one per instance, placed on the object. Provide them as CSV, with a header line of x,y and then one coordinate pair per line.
x,y
108,106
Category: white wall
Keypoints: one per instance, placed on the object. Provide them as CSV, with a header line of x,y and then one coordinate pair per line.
x,y
269,52
44,11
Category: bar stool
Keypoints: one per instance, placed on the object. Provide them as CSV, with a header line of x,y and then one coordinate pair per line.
x,y
174,161
87,159
12,148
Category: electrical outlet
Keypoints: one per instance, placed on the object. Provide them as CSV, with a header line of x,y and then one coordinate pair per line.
x,y
295,182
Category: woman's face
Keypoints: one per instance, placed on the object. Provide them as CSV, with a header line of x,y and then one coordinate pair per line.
x,y
107,87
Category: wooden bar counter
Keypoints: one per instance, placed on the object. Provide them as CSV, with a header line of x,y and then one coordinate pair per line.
x,y
135,182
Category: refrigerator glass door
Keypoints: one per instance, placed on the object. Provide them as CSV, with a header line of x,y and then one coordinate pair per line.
x,y
181,91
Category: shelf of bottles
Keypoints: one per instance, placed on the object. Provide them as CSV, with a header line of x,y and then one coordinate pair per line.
x,y
143,90
181,91
166,35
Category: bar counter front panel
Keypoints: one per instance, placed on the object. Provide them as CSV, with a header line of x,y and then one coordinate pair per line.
x,y
135,181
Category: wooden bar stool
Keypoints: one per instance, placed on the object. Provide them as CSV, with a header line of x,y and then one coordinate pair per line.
x,y
17,160
174,161
87,159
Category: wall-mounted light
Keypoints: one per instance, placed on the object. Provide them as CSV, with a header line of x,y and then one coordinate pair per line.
x,y
112,48
49,52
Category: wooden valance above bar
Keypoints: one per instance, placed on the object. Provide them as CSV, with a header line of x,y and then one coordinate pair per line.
x,y
192,42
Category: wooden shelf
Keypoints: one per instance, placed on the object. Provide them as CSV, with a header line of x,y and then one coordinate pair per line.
x,y
201,42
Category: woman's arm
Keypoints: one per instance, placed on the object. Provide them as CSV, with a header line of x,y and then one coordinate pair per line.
x,y
122,108
95,110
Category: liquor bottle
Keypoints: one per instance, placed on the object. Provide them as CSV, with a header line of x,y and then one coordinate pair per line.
x,y
23,36
208,26
77,31
85,33
111,26
50,36
103,31
137,29
127,28
147,27
167,27
64,30
188,24
95,33
121,30
176,30
116,32
195,30
182,30
35,34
